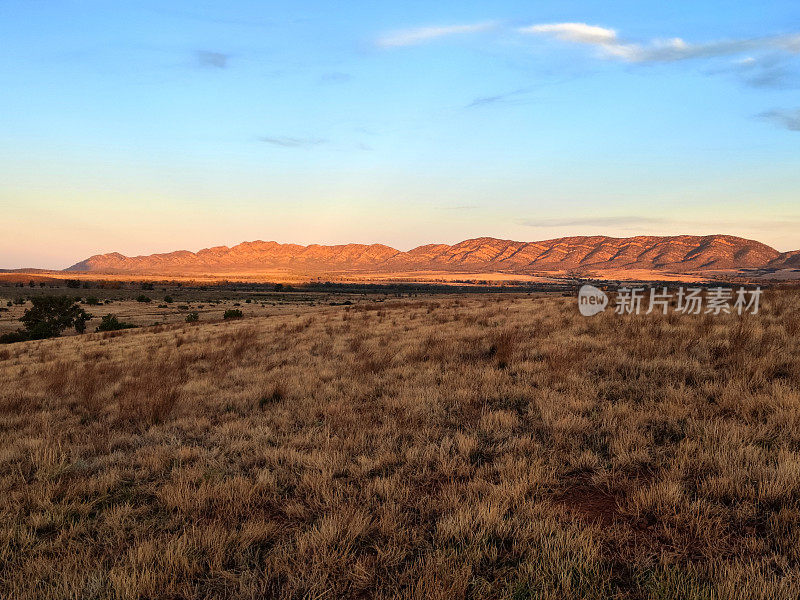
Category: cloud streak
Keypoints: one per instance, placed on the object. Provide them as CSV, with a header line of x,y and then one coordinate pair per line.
x,y
612,46
789,119
641,223
580,33
292,142
621,221
516,97
212,60
422,35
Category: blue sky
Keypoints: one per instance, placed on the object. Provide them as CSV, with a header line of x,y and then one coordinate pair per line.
x,y
145,126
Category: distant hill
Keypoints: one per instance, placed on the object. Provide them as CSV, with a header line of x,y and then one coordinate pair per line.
x,y
674,254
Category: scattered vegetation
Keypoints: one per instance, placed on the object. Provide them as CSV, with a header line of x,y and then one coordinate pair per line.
x,y
451,448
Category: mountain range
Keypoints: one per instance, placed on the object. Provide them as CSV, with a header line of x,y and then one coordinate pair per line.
x,y
673,254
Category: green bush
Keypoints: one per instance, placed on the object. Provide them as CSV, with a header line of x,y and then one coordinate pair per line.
x,y
168,299
92,301
232,313
192,317
143,298
111,323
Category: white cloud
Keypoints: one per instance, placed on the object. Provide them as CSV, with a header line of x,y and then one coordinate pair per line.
x,y
659,50
420,35
574,32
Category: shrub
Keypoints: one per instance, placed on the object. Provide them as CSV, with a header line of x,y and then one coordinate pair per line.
x,y
13,337
192,317
73,283
143,298
183,307
147,286
92,301
111,323
80,322
168,299
232,313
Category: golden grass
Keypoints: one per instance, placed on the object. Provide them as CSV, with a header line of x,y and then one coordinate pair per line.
x,y
448,448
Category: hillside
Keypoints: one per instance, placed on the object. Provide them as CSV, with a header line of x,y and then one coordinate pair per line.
x,y
678,254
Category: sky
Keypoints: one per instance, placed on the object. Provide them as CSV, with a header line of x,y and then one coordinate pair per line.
x,y
153,126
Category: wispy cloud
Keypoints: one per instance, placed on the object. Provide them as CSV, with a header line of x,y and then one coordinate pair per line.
x,y
641,223
335,77
790,119
292,142
771,71
620,221
574,32
212,60
421,35
612,46
459,207
515,96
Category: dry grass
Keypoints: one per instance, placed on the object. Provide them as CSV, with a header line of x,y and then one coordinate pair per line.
x,y
457,448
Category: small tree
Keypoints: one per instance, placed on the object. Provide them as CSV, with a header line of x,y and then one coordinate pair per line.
x,y
50,315
192,317
232,313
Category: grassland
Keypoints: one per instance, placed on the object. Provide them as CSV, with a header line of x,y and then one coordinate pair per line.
x,y
468,447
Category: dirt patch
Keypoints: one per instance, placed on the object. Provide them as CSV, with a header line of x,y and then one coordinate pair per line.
x,y
590,503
